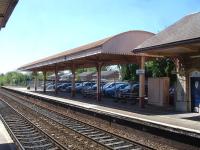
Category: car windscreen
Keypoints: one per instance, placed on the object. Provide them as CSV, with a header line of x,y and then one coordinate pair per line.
x,y
127,87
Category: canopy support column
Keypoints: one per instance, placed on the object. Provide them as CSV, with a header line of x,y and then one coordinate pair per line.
x,y
45,79
98,67
56,80
142,83
73,90
35,80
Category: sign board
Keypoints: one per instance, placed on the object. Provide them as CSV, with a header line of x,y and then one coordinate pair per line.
x,y
140,71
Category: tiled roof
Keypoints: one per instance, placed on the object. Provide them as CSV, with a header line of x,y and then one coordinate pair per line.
x,y
120,44
186,29
71,51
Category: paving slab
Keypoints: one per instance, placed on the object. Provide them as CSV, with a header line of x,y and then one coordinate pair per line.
x,y
6,142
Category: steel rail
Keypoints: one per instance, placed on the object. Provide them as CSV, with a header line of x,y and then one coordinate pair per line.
x,y
100,136
43,133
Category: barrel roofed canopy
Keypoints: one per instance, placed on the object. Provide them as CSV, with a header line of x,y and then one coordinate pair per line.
x,y
112,50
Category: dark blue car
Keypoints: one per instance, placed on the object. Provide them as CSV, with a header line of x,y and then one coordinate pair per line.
x,y
112,91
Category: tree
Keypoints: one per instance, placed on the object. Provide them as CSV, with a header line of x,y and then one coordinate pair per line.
x,y
128,71
14,78
160,68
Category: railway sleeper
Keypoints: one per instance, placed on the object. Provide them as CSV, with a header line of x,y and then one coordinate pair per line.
x,y
114,143
34,141
95,135
81,129
18,125
24,132
107,140
85,132
89,132
123,147
18,130
39,147
27,135
101,137
30,138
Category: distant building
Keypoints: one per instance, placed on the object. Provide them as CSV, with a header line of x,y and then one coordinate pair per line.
x,y
66,77
108,75
86,76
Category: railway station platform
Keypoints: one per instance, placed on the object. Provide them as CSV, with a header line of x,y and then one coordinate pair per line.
x,y
167,120
6,142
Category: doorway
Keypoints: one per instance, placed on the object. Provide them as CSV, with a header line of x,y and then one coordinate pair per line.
x,y
195,93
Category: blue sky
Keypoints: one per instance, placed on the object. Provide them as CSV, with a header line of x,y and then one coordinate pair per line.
x,y
39,28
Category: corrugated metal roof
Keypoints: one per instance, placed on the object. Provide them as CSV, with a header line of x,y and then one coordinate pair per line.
x,y
6,8
186,29
120,44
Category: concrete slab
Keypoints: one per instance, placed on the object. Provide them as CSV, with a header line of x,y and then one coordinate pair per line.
x,y
6,142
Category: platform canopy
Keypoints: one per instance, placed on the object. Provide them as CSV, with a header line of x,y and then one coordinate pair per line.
x,y
181,38
112,50
6,9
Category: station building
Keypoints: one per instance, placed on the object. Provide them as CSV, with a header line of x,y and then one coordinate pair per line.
x,y
181,42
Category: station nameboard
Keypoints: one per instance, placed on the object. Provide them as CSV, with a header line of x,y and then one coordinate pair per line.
x,y
140,71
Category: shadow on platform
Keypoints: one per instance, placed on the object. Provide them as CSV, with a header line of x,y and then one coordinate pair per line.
x,y
128,105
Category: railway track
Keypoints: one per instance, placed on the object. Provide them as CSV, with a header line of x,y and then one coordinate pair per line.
x,y
104,138
25,134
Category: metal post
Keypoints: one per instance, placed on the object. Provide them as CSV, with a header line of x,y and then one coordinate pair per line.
x,y
142,83
35,81
73,90
56,80
45,79
98,67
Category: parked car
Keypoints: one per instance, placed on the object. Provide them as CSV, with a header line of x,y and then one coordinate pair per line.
x,y
110,85
94,87
113,91
51,86
69,88
79,87
130,92
91,91
86,85
63,86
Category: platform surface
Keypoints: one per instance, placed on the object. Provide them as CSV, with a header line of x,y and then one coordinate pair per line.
x,y
6,142
163,119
